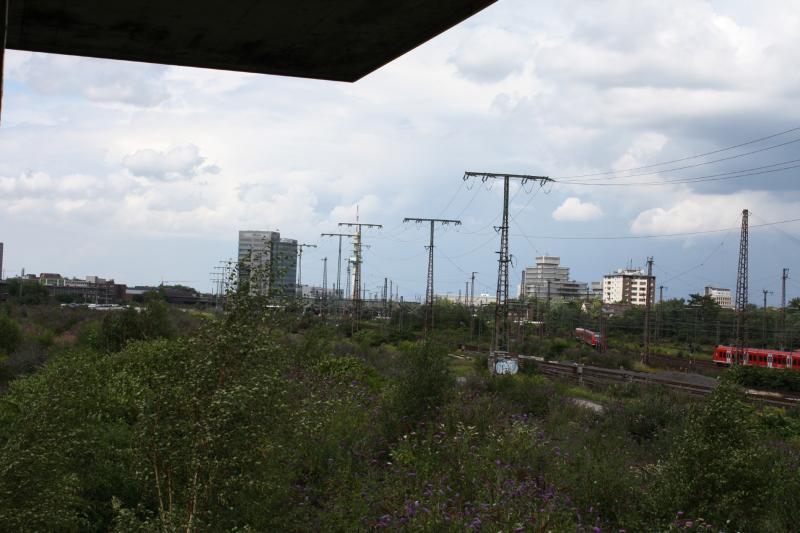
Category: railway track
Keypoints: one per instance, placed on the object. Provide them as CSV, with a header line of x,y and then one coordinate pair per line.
x,y
592,375
683,364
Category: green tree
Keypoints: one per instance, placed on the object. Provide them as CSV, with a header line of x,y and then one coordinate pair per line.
x,y
28,292
718,468
120,327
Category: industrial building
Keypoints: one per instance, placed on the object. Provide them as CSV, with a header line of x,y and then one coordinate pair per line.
x,y
548,279
628,286
91,289
721,296
267,262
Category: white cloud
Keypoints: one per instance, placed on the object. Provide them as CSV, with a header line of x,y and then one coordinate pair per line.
x,y
704,212
574,210
97,80
99,151
491,54
181,162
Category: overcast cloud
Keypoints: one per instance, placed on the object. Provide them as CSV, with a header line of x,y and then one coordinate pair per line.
x,y
142,172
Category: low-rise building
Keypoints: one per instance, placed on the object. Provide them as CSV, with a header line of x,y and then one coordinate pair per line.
x,y
628,286
90,289
721,296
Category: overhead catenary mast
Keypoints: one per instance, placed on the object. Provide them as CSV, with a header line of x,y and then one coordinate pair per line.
x,y
339,261
357,261
300,267
500,339
429,293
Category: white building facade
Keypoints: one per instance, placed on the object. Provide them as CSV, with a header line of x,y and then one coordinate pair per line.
x,y
548,279
628,286
721,296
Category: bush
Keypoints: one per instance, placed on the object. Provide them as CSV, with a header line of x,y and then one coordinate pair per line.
x,y
424,382
718,468
120,327
10,334
765,378
531,395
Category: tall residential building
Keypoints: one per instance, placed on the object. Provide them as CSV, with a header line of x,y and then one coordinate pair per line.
x,y
721,296
628,286
267,262
548,270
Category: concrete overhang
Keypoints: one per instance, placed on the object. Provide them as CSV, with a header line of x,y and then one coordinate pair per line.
x,y
341,40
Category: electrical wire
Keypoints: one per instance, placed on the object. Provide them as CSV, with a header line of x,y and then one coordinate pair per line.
x,y
660,236
687,158
734,174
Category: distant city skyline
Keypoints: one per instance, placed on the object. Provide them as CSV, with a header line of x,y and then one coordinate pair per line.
x,y
146,172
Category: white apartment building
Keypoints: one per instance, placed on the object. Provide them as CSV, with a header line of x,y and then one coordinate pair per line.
x,y
628,286
549,279
721,296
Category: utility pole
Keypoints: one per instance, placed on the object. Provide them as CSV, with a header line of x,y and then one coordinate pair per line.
x,y
660,314
357,285
764,334
472,304
300,266
741,290
347,290
500,340
784,277
547,309
385,295
429,296
324,285
339,260
648,298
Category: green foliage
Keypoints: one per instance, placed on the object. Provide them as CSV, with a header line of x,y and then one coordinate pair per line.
x,y
46,338
527,394
90,334
120,327
28,292
719,469
242,426
10,334
765,378
424,383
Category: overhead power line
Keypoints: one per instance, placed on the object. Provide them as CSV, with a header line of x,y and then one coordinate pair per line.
x,y
687,158
730,175
659,236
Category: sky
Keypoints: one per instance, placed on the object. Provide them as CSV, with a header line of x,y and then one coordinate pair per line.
x,y
145,173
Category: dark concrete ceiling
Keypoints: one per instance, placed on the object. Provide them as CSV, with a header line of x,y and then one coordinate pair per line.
x,y
339,40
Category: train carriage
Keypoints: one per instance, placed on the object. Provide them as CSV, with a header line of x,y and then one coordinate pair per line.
x,y
765,357
588,336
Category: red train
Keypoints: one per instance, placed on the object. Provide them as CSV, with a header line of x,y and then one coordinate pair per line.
x,y
589,337
725,355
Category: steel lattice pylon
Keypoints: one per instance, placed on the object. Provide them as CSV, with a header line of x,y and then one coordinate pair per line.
x,y
500,340
741,289
501,307
429,294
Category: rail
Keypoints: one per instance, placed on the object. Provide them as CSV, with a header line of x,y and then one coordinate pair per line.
x,y
592,375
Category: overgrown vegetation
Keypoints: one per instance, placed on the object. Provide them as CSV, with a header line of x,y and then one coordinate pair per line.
x,y
263,421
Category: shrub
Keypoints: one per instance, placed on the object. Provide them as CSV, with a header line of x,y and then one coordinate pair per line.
x,y
424,382
10,334
718,468
765,378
